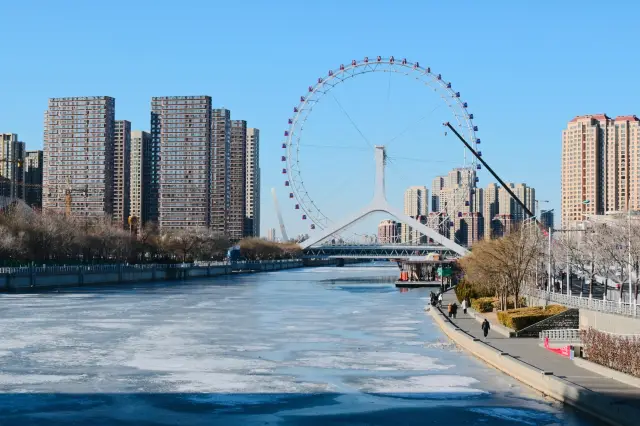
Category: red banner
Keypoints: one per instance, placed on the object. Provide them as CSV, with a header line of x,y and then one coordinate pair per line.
x,y
564,351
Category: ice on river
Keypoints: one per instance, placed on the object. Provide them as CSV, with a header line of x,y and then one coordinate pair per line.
x,y
271,348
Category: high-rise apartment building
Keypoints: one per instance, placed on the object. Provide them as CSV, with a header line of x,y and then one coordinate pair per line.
x,y
469,228
237,177
388,232
271,234
437,185
121,172
416,205
252,178
12,157
33,166
527,195
139,176
490,208
79,156
220,169
600,166
181,128
546,219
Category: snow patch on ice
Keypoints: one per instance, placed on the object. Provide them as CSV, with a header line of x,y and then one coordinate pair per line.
x,y
418,386
379,361
34,379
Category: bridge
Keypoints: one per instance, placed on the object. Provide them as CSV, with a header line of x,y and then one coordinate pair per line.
x,y
375,251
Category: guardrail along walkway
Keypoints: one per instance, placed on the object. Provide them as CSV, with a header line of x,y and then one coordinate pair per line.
x,y
529,351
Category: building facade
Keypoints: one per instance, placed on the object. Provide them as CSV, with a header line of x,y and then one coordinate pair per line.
x,y
237,177
600,166
388,232
416,205
252,178
491,208
33,166
79,157
12,158
121,172
220,169
546,219
271,234
181,128
139,180
469,228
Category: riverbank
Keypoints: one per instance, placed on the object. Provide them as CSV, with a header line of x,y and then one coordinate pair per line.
x,y
29,279
610,401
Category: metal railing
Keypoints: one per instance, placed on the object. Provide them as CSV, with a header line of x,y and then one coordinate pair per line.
x,y
561,335
24,270
606,306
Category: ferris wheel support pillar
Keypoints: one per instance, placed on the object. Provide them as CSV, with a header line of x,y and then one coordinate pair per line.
x,y
379,194
380,204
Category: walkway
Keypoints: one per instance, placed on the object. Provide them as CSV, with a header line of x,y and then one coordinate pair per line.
x,y
529,351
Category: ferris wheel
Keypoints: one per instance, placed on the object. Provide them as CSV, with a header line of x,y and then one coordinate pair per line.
x,y
457,200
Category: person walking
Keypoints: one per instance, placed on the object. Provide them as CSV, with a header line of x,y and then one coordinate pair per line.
x,y
464,306
454,309
440,300
450,309
485,327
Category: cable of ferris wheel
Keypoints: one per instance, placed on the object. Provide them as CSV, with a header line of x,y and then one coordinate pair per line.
x,y
406,129
335,147
351,121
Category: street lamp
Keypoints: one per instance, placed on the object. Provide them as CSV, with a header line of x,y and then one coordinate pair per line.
x,y
550,279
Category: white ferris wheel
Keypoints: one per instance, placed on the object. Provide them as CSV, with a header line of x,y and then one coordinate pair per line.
x,y
293,145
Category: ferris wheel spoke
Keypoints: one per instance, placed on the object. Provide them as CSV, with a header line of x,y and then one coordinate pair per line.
x,y
411,125
351,121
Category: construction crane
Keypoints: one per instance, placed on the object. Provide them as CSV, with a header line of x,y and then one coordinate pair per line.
x,y
68,197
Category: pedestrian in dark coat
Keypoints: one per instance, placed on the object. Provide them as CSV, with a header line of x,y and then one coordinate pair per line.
x,y
485,327
454,309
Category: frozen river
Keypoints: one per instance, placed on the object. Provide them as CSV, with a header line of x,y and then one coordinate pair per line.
x,y
294,347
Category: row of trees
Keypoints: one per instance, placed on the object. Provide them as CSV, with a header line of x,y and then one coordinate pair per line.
x,y
501,267
28,237
597,250
606,249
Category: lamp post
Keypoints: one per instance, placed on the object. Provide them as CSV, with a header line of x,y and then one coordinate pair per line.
x,y
550,279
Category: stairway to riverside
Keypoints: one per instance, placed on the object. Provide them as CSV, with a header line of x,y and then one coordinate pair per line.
x,y
569,319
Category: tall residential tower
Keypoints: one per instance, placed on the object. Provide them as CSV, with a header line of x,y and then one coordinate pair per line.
x,y
79,156
181,129
252,213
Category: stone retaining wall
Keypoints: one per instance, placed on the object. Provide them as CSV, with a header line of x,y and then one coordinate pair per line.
x,y
86,276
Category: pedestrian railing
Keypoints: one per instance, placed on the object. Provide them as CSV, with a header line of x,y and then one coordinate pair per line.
x,y
24,270
561,335
606,306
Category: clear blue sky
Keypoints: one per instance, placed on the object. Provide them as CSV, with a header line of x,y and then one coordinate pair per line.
x,y
525,67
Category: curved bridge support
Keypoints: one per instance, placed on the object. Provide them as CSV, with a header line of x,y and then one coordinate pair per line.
x,y
380,204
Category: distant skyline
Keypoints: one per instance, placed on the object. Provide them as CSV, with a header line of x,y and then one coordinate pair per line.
x,y
525,68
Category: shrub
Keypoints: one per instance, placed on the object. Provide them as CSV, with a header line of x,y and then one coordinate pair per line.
x,y
470,291
520,318
612,351
483,304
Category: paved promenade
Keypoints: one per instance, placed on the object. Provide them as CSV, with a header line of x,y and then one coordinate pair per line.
x,y
528,351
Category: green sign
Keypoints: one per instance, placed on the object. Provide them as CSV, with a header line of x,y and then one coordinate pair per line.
x,y
447,272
